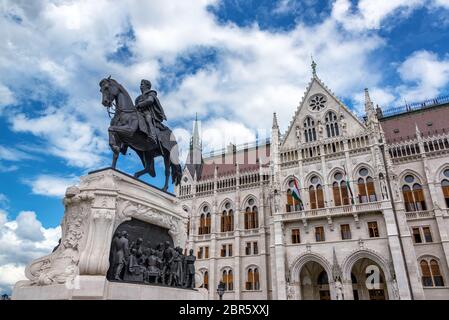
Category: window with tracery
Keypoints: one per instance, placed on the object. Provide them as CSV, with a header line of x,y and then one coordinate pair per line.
x,y
309,130
316,194
413,194
332,129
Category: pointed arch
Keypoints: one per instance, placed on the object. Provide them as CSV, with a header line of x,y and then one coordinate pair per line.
x,y
352,258
302,260
331,122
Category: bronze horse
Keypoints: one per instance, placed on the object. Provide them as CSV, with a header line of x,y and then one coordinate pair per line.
x,y
124,132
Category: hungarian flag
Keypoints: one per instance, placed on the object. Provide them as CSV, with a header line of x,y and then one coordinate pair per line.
x,y
294,189
348,185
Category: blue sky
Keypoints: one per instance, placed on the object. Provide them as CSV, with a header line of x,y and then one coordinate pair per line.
x,y
231,62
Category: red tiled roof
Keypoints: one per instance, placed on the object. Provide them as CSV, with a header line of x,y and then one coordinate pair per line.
x,y
430,121
223,169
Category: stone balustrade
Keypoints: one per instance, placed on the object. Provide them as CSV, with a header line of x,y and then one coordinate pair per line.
x,y
336,211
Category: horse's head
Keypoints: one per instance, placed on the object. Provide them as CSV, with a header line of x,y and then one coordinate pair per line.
x,y
109,90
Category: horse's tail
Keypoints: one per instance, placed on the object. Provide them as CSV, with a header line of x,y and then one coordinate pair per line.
x,y
176,173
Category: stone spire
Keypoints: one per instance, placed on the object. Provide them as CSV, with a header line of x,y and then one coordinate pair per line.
x,y
371,114
196,140
369,106
275,121
417,131
336,269
195,157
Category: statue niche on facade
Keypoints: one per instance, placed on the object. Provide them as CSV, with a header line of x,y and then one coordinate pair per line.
x,y
140,128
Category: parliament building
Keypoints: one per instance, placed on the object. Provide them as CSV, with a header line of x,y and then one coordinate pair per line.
x,y
336,207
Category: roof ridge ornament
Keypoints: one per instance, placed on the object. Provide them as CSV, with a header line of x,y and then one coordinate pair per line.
x,y
313,65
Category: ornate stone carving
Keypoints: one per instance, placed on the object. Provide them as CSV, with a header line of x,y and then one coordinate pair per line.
x,y
291,292
127,210
92,212
61,266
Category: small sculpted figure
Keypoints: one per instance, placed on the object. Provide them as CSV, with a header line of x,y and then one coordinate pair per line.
x,y
153,271
190,270
167,258
121,253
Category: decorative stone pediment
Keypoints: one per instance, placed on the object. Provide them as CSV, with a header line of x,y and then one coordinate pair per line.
x,y
317,101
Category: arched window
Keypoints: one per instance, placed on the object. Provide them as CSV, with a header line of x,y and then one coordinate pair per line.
x,y
228,280
431,276
208,223
205,223
436,274
413,194
205,284
309,129
332,129
292,203
252,281
227,218
445,187
365,184
316,194
251,215
340,190
201,228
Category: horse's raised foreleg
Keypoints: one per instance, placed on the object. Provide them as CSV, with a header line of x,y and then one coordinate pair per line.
x,y
127,130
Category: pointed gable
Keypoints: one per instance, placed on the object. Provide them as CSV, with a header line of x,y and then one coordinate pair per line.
x,y
317,101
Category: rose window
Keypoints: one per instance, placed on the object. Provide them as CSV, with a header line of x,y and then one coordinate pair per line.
x,y
317,102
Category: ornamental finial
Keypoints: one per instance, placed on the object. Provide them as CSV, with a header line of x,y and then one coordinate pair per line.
x,y
313,66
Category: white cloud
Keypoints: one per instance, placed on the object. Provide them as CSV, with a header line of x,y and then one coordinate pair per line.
x,y
8,154
12,154
19,247
50,185
9,274
424,74
368,14
65,46
256,72
384,97
28,227
69,138
6,96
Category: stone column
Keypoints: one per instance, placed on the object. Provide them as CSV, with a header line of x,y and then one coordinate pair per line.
x,y
237,249
347,289
442,225
280,259
397,256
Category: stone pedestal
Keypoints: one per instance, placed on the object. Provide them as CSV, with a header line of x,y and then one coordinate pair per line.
x,y
77,269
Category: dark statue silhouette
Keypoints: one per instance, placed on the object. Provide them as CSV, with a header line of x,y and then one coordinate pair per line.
x,y
140,128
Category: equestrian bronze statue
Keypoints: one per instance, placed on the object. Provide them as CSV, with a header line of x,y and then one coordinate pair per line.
x,y
140,128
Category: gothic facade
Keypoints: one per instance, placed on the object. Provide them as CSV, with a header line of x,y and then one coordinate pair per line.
x,y
371,220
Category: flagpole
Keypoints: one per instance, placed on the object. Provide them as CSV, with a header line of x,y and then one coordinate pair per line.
x,y
348,185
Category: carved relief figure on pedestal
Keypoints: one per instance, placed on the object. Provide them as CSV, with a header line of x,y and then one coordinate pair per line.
x,y
190,270
121,254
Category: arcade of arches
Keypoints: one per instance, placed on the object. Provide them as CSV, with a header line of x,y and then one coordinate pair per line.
x,y
367,282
